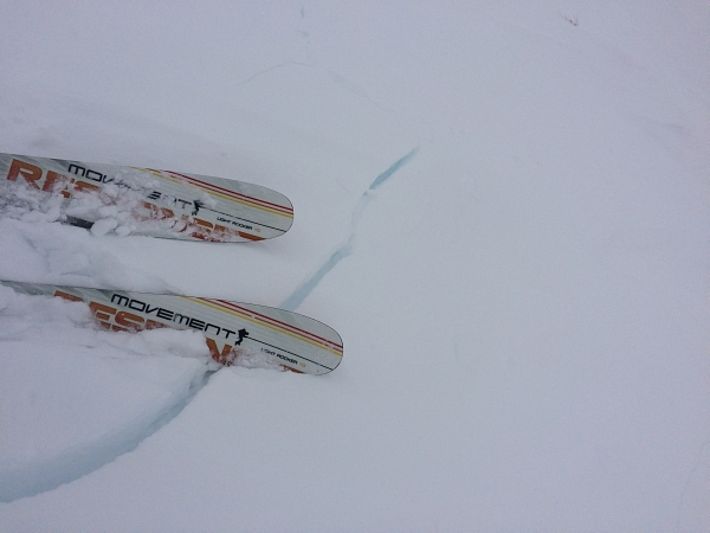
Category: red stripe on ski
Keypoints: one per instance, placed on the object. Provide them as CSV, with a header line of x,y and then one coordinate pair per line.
x,y
265,203
289,327
249,236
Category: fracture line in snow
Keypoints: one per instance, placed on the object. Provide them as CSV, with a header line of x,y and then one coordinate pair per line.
x,y
266,70
49,474
345,249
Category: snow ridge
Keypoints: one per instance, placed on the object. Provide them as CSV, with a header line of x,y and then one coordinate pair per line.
x,y
298,296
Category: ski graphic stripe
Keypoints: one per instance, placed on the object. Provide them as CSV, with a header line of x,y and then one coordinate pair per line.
x,y
276,325
229,192
226,194
250,237
235,199
326,342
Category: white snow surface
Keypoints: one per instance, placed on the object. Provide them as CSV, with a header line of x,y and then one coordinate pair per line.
x,y
503,207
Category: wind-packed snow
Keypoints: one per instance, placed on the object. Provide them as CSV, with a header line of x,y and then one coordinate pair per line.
x,y
501,206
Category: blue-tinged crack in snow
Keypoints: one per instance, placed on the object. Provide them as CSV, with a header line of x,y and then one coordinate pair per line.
x,y
345,249
394,167
81,460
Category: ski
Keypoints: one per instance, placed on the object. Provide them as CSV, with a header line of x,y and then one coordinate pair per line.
x,y
161,203
231,329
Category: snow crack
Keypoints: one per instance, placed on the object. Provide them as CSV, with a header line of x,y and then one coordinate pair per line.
x,y
74,463
345,249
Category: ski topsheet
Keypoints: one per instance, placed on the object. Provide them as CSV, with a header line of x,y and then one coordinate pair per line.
x,y
160,203
231,329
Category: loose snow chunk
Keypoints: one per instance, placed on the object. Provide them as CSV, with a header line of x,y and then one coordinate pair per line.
x,y
104,226
124,230
42,311
20,202
181,343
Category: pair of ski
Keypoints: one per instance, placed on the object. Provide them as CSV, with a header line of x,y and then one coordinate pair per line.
x,y
189,207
